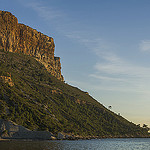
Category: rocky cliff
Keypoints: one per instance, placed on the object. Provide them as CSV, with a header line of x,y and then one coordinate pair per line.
x,y
19,38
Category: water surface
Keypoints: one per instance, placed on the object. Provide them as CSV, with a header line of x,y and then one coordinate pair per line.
x,y
97,144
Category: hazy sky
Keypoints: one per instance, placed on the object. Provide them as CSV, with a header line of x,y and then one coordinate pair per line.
x,y
104,47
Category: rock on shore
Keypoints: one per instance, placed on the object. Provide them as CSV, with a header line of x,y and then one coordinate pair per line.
x,y
10,130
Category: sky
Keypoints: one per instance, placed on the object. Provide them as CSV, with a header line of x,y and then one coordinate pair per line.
x,y
104,47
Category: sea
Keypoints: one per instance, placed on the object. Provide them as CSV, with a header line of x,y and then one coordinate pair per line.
x,y
95,144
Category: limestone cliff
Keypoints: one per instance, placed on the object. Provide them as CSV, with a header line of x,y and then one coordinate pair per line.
x,y
19,38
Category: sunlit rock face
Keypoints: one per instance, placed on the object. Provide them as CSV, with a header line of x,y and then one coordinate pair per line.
x,y
19,38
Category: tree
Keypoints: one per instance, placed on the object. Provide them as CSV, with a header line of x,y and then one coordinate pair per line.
x,y
110,107
138,125
146,127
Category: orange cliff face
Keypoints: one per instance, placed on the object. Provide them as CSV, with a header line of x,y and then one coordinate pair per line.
x,y
19,38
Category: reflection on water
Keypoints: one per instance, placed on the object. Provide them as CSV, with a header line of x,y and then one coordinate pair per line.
x,y
31,145
101,144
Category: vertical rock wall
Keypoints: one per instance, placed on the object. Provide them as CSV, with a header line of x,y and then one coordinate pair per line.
x,y
19,38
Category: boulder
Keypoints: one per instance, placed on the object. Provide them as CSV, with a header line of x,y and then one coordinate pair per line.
x,y
60,136
10,130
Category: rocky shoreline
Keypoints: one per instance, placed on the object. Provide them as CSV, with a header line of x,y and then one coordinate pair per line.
x,y
11,131
74,138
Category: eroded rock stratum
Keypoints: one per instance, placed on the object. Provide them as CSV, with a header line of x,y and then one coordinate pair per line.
x,y
19,38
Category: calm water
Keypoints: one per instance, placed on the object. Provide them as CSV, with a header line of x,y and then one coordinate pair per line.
x,y
101,144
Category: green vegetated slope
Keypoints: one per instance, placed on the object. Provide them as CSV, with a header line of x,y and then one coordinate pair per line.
x,y
39,101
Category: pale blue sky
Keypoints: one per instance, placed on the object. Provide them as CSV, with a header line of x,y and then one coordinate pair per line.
x,y
104,47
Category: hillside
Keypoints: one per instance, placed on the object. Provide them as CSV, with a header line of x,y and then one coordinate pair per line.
x,y
33,94
30,96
